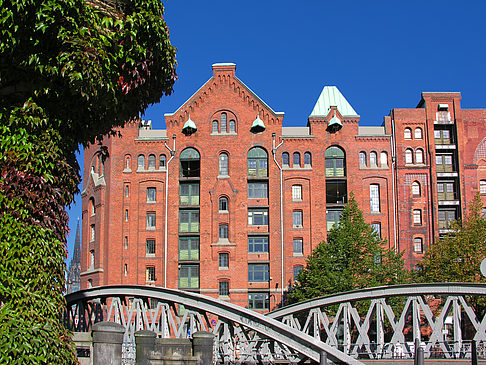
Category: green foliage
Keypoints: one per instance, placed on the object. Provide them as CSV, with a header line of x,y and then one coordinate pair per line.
x,y
354,257
456,257
70,72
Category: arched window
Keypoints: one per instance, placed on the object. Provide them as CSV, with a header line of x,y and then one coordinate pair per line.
x,y
223,164
362,159
373,159
296,159
224,125
257,162
418,133
232,126
190,163
223,204
92,209
419,156
307,159
418,244
151,162
162,161
407,133
215,126
285,158
383,159
127,162
416,188
335,166
408,156
141,162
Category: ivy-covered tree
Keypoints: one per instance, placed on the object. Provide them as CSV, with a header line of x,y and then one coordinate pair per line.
x,y
353,257
70,72
457,256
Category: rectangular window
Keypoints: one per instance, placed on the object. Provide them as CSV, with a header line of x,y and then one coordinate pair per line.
x,y
223,231
332,217
188,248
223,261
126,242
189,276
189,194
417,217
257,244
482,187
297,219
296,193
375,198
151,195
258,217
150,274
151,220
93,232
445,190
257,190
444,163
297,270
125,269
259,301
224,288
258,273
189,221
417,244
377,228
126,215
445,218
150,247
298,245
336,192
127,191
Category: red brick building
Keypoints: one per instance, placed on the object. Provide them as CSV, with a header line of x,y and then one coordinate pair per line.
x,y
232,210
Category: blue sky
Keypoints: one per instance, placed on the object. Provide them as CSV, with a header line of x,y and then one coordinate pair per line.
x,y
380,54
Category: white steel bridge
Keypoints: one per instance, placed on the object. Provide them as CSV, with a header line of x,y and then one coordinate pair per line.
x,y
374,323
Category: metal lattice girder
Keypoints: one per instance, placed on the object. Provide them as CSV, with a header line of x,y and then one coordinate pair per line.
x,y
261,327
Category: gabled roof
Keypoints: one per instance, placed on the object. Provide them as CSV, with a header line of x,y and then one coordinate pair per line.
x,y
331,96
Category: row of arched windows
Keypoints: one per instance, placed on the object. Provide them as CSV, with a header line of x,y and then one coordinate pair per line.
x,y
414,157
296,161
223,126
152,162
363,159
417,134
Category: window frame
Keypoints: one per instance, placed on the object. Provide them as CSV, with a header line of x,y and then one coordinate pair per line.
x,y
297,193
223,261
192,224
373,159
407,133
296,160
151,161
408,156
257,163
298,246
223,288
417,217
151,194
418,133
191,245
255,298
223,203
257,192
223,164
151,220
150,276
150,247
141,162
259,214
419,156
416,242
285,159
193,281
375,199
223,231
362,159
416,189
258,272
297,216
482,186
258,247
191,197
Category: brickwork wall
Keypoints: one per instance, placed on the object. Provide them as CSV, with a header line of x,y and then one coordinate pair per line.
x,y
120,190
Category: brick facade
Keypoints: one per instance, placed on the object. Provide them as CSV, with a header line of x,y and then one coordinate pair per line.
x,y
196,242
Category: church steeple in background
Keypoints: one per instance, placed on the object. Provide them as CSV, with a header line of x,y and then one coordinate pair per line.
x,y
73,280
